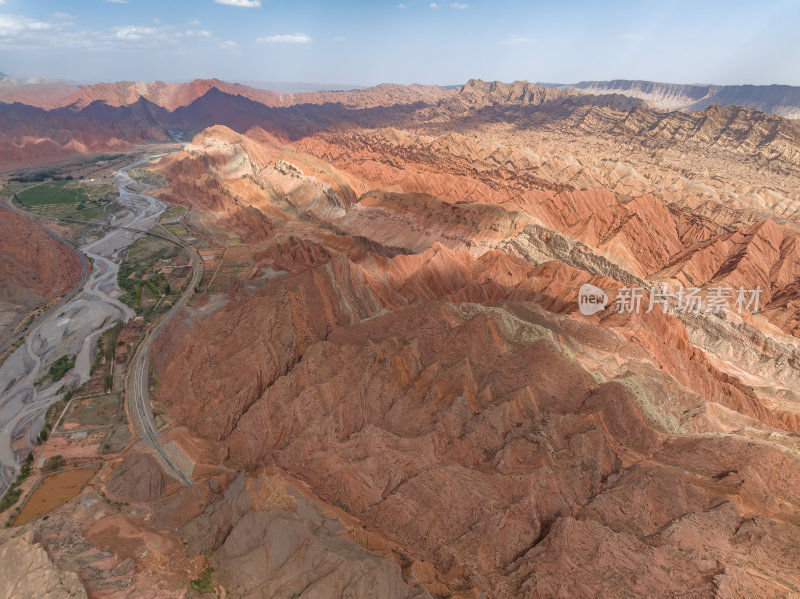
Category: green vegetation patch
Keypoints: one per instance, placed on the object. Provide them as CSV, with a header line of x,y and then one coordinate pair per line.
x,y
173,212
13,492
55,409
13,187
177,229
53,193
60,172
107,348
117,504
145,279
61,367
68,199
57,462
205,583
41,175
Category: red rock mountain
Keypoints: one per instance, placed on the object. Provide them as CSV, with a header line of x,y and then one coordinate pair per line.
x,y
34,269
385,380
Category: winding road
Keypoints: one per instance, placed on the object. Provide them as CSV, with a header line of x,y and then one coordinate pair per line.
x,y
138,401
82,317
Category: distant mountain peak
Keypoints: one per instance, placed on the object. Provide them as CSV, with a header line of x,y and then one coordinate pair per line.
x,y
783,100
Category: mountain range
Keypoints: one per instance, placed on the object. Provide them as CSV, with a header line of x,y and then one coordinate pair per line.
x,y
783,100
385,381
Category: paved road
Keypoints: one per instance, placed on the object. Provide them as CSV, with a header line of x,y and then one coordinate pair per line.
x,y
137,388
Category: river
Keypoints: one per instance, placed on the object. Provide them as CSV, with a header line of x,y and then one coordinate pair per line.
x,y
74,330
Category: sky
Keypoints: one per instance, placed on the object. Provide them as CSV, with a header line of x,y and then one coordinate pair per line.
x,y
351,42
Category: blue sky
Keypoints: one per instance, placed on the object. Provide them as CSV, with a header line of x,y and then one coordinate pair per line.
x,y
368,42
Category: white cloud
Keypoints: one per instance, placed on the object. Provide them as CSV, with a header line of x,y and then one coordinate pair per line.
x,y
116,1
516,41
10,25
433,5
228,44
13,26
459,6
241,3
289,38
402,6
338,38
194,22
24,33
61,15
134,34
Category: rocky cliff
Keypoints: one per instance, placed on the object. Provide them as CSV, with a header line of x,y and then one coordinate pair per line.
x,y
34,268
26,571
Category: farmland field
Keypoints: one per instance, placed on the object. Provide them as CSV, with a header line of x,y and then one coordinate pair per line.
x,y
147,276
68,199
